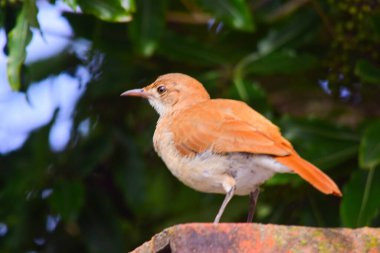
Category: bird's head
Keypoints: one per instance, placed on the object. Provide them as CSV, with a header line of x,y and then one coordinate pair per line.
x,y
171,92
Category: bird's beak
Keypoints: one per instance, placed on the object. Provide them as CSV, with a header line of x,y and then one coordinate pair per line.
x,y
135,93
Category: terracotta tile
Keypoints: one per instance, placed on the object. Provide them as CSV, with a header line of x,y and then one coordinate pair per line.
x,y
259,238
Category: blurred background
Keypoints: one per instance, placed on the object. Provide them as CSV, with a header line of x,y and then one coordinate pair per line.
x,y
78,172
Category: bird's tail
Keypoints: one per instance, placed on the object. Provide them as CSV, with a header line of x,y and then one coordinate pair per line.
x,y
310,173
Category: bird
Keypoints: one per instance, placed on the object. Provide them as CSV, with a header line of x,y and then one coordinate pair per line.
x,y
221,146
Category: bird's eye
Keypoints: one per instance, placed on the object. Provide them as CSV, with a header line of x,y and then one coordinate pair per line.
x,y
161,89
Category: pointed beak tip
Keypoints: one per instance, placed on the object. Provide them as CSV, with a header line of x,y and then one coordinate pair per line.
x,y
134,93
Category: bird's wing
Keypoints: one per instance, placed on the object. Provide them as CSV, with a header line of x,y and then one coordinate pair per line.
x,y
210,128
224,126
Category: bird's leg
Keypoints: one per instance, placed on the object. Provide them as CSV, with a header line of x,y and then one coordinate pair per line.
x,y
227,199
253,196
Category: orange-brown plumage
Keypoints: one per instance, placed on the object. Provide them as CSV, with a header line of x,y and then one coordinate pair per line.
x,y
208,143
235,127
310,173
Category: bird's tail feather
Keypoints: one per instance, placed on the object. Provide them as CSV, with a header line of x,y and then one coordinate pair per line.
x,y
310,173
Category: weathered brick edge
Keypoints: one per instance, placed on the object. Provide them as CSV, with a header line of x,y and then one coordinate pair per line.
x,y
260,238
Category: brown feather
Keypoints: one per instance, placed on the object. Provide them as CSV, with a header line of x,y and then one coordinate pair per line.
x,y
310,173
194,131
235,127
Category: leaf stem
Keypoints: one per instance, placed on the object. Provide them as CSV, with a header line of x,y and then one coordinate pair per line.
x,y
367,189
317,214
239,73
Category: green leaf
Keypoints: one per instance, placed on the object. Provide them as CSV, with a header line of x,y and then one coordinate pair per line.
x,y
236,13
252,93
148,25
158,192
321,143
186,49
369,152
361,202
100,222
282,62
18,38
291,34
130,174
367,72
67,199
376,24
284,179
31,13
109,10
73,4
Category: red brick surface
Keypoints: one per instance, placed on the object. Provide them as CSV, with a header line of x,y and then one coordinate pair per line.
x,y
258,238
